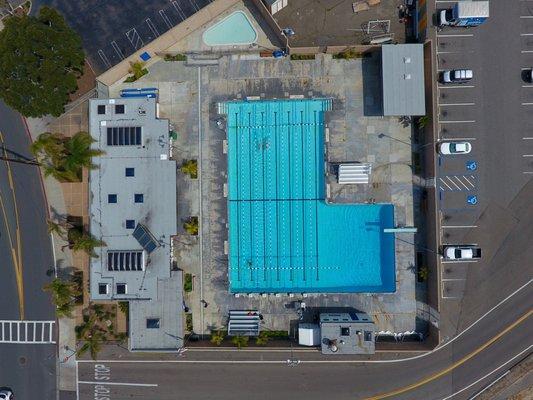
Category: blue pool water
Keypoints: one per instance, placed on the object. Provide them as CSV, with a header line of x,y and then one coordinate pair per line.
x,y
235,29
283,237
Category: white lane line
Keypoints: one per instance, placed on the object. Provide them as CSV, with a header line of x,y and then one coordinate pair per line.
x,y
526,16
489,374
449,297
526,34
457,87
527,104
527,86
526,51
460,138
118,383
77,382
457,122
527,155
458,226
453,182
527,172
526,68
494,382
466,179
458,261
443,182
462,183
527,137
457,104
459,35
454,52
452,279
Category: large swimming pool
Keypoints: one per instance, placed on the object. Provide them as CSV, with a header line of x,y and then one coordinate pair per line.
x,y
235,29
283,236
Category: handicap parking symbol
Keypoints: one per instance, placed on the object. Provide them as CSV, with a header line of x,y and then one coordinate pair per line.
x,y
471,165
472,199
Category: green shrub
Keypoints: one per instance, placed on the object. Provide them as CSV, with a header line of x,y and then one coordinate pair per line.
x,y
240,341
188,322
302,56
217,337
187,283
348,54
176,57
262,339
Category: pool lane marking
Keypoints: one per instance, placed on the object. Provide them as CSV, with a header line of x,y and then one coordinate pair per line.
x,y
453,366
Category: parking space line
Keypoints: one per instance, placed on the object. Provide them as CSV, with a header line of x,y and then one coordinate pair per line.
x,y
458,261
527,104
104,58
527,138
462,183
179,11
457,35
526,16
152,27
453,182
470,183
526,51
117,49
455,52
443,182
457,122
527,172
526,34
527,86
458,226
456,104
194,5
459,138
165,18
527,155
456,87
134,38
452,279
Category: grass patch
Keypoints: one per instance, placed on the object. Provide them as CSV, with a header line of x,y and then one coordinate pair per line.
x,y
187,283
348,54
302,56
275,334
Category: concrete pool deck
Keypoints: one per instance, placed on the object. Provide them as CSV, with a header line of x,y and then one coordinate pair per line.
x,y
188,97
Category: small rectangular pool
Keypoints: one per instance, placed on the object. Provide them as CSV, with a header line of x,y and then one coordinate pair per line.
x,y
283,236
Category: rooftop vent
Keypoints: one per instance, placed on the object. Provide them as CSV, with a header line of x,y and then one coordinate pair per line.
x,y
407,60
407,76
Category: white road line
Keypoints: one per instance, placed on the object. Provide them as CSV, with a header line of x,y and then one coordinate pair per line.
x,y
489,374
523,69
457,122
442,181
527,86
526,51
526,16
457,104
453,182
527,137
466,179
526,34
462,183
459,35
458,226
118,383
527,104
527,155
458,261
527,172
452,279
449,297
77,382
459,138
457,87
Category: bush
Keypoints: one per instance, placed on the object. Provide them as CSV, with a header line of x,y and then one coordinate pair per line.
x,y
124,307
302,56
190,167
191,226
137,70
348,54
262,339
188,322
240,341
217,337
187,283
176,57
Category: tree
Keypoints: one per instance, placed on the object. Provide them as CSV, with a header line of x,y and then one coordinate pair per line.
x,y
190,167
62,157
64,294
40,60
92,344
84,241
191,226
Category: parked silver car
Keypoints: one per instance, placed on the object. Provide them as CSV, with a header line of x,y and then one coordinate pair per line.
x,y
456,75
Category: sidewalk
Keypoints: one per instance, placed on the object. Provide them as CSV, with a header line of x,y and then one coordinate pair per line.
x,y
65,199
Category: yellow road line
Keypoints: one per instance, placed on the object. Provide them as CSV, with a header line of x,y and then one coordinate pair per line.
x,y
16,255
454,365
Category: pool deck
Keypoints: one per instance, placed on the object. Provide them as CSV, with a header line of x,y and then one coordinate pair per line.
x,y
188,97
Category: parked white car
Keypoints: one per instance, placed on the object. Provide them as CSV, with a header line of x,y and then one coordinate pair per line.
x,y
456,75
6,394
447,148
462,252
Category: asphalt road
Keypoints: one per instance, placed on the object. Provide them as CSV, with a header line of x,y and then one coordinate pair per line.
x,y
458,369
25,258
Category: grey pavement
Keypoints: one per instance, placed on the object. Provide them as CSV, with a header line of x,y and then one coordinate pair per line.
x,y
28,368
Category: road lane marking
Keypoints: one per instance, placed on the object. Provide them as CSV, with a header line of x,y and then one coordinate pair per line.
x,y
528,137
455,365
489,374
458,261
526,34
527,86
526,51
527,104
527,172
527,155
457,87
457,122
456,104
17,257
458,35
452,279
105,383
458,226
526,16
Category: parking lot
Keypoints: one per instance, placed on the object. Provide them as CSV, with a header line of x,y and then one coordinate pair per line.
x,y
494,113
114,29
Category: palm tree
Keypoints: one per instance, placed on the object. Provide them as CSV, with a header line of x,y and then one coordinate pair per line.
x,y
79,152
93,344
48,145
190,167
82,241
58,228
191,226
63,295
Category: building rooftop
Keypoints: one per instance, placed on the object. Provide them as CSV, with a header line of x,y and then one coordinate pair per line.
x,y
403,79
347,333
132,202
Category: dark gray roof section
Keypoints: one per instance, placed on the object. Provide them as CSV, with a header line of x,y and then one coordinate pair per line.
x,y
403,79
347,333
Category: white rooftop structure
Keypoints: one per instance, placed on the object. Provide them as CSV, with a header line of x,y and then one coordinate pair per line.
x,y
354,173
133,210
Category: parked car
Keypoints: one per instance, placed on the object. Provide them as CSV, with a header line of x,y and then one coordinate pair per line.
x,y
527,75
6,394
456,75
464,252
447,148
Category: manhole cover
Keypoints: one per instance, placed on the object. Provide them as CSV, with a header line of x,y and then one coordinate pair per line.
x,y
22,360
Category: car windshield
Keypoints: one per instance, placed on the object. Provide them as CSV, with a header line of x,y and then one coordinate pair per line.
x,y
457,253
453,147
